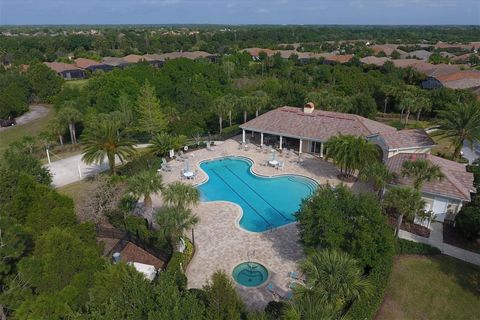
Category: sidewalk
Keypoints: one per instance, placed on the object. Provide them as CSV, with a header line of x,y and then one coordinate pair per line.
x,y
436,240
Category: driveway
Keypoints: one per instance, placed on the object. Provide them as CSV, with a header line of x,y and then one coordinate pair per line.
x,y
36,112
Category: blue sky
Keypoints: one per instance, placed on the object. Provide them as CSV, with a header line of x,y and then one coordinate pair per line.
x,y
240,11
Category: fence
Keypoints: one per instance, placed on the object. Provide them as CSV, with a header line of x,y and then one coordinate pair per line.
x,y
126,237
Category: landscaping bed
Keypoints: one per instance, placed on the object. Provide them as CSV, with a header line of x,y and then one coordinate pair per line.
x,y
453,237
410,227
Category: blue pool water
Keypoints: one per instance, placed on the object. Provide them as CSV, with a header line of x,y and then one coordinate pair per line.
x,y
250,274
266,202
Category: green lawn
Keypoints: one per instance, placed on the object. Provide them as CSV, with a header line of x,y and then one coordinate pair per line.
x,y
78,191
436,287
76,83
32,128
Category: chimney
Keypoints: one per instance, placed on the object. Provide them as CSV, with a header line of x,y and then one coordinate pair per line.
x,y
308,107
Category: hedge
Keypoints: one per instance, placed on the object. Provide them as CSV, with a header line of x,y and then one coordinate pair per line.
x,y
409,247
179,262
366,307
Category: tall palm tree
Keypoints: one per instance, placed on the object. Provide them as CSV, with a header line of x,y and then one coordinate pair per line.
x,y
247,104
351,153
106,140
409,102
231,102
378,174
220,108
421,171
70,115
162,142
335,277
460,123
57,128
406,202
181,195
424,104
261,101
144,184
174,221
389,92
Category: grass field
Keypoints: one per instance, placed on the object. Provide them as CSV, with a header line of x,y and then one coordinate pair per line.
x,y
76,83
78,191
32,128
436,287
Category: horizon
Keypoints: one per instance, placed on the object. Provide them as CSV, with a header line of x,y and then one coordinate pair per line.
x,y
235,12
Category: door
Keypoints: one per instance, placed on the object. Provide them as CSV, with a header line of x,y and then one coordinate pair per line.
x,y
440,208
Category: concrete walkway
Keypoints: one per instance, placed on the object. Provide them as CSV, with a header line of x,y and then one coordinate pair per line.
x,y
436,240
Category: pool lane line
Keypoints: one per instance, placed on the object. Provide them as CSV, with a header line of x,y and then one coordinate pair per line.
x,y
288,219
269,225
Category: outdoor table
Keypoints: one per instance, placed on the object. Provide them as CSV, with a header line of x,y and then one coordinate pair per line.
x,y
188,174
273,163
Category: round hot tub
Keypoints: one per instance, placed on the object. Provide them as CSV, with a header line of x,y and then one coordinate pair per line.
x,y
250,274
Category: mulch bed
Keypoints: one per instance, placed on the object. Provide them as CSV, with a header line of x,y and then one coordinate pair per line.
x,y
346,178
410,227
454,238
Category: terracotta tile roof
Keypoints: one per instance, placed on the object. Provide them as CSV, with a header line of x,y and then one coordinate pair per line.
x,y
457,183
114,61
133,253
407,139
61,67
85,63
419,54
318,125
133,58
404,63
463,79
255,52
378,61
340,58
386,48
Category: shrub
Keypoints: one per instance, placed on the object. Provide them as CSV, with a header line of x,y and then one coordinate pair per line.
x,y
409,247
468,220
230,132
275,309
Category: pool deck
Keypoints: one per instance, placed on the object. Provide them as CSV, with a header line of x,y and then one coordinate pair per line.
x,y
219,242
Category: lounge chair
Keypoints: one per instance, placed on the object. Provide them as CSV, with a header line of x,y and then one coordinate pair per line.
x,y
280,165
287,296
272,289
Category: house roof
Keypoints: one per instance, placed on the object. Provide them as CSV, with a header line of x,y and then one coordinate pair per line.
x,y
255,52
318,125
378,61
462,79
114,61
133,253
457,183
61,67
407,139
386,48
340,58
85,63
419,54
133,58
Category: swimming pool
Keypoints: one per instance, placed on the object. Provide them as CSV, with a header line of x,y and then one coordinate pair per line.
x,y
266,202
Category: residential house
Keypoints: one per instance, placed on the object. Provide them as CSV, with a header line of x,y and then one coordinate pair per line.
x,y
417,54
66,71
443,197
115,62
92,65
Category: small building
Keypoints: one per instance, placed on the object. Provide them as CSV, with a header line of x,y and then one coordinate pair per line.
x,y
417,54
337,58
372,60
115,62
133,58
155,60
66,71
92,65
443,197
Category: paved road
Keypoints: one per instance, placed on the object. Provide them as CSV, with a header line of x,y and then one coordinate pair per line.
x,y
36,111
73,169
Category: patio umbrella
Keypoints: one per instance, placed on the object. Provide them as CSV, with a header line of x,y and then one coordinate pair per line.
x,y
273,155
187,166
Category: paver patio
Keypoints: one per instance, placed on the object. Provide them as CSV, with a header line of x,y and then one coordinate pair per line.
x,y
221,244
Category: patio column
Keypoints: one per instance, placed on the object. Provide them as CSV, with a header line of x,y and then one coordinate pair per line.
x,y
300,147
321,149
281,142
243,135
261,139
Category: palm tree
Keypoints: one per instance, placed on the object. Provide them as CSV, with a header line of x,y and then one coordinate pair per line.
x,y
181,195
408,102
261,101
424,104
144,184
247,104
231,103
105,140
389,92
334,276
57,128
161,143
220,108
70,115
406,202
460,123
351,153
421,171
174,221
378,174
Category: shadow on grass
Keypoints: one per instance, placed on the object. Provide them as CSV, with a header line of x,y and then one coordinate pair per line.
x,y
466,275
